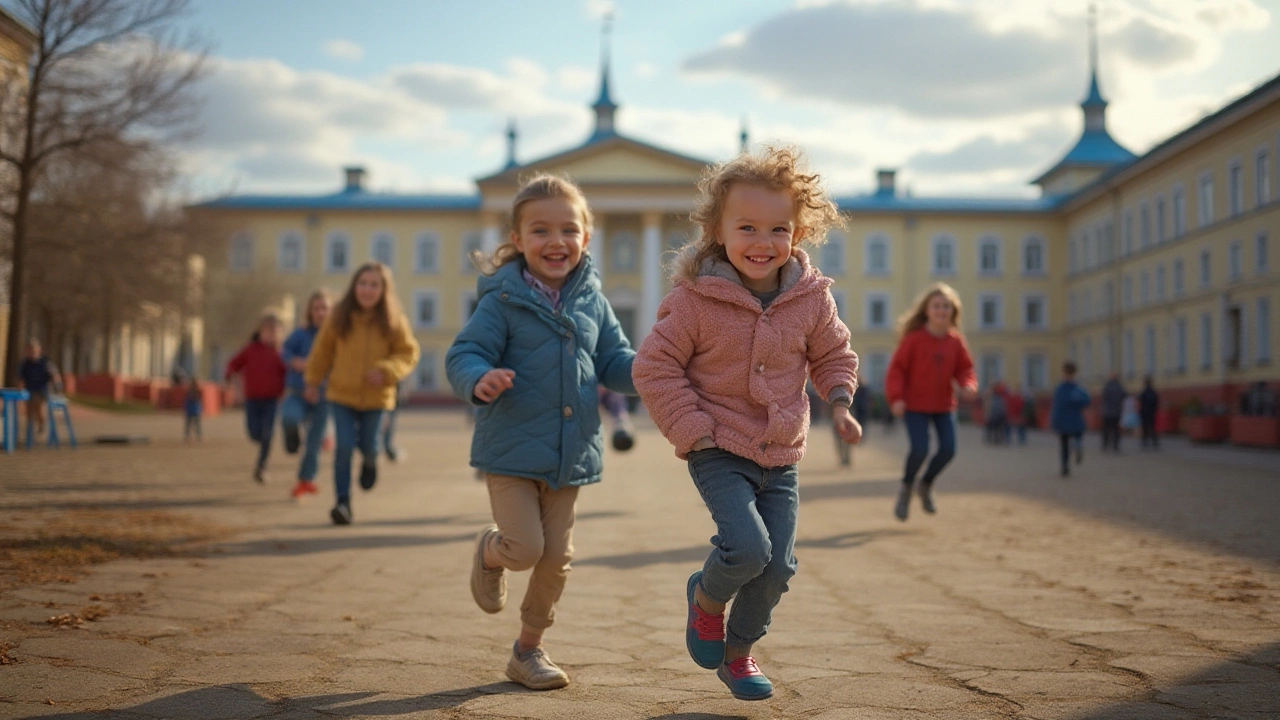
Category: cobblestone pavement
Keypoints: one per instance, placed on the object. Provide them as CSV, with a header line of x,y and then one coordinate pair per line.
x,y
1145,586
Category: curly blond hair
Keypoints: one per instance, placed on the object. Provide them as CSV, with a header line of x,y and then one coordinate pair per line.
x,y
542,186
777,168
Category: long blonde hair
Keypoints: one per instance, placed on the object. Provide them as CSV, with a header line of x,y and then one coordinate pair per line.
x,y
777,168
918,316
387,314
540,187
320,294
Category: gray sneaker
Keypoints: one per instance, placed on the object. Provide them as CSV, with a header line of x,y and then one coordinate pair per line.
x,y
926,498
488,586
904,503
535,670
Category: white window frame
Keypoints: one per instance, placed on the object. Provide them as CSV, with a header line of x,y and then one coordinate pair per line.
x,y
1043,300
872,241
1038,242
1235,186
837,244
423,239
871,299
991,240
877,369
281,245
1028,380
998,298
472,240
1204,199
937,242
428,359
418,297
1206,267
383,237
332,240
985,380
240,252
1235,261
1262,163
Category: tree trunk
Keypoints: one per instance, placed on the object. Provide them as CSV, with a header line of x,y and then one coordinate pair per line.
x,y
16,334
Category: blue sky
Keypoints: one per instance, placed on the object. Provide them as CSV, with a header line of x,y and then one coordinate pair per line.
x,y
968,97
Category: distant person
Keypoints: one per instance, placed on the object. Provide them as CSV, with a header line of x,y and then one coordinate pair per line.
x,y
262,372
300,416
1148,407
192,409
1017,409
1130,421
997,424
932,359
38,376
1069,402
395,453
1113,395
363,349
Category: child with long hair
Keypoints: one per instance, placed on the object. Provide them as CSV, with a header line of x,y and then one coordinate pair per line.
x,y
363,349
931,360
262,375
530,358
297,410
723,375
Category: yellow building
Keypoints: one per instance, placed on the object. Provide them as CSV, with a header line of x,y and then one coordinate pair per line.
x,y
17,42
1042,279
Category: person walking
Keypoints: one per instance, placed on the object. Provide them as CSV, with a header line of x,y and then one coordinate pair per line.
x,y
1067,416
1148,407
1113,395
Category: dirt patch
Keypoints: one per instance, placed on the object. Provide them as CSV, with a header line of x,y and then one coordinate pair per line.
x,y
43,547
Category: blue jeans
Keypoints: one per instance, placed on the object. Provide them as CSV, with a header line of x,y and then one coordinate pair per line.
x,y
353,427
297,411
260,417
389,431
754,509
918,432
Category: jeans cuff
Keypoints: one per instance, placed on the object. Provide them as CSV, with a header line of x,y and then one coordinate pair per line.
x,y
732,638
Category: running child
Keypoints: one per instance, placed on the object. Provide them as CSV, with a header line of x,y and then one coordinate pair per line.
x,y
262,374
1067,416
541,339
723,375
298,411
363,349
931,360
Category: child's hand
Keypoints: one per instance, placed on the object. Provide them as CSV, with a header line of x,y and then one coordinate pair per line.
x,y
849,428
311,394
968,393
494,383
899,408
299,364
376,378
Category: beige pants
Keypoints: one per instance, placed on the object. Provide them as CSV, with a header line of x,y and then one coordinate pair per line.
x,y
535,530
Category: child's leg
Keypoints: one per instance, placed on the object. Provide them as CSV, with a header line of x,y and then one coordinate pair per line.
x,y
199,431
344,430
316,418
268,427
1064,441
728,485
945,425
777,505
918,433
546,583
253,419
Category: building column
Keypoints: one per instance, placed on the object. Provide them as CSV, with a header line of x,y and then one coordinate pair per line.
x,y
650,274
491,232
599,246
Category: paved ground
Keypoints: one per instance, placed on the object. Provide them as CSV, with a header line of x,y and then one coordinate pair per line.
x,y
1146,586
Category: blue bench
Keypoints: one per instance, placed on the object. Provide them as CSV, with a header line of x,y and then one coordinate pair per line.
x,y
55,404
10,398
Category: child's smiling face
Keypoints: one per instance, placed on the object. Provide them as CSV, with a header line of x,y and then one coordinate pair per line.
x,y
552,238
758,229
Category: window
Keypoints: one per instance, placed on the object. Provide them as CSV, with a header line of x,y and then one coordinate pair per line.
x,y
1262,177
877,250
424,376
991,311
469,304
990,369
1206,342
1263,335
832,254
1033,260
1151,349
1035,312
1261,256
877,311
425,309
472,243
1180,344
1144,226
242,252
944,255
1179,212
426,254
1036,373
1160,283
1204,206
625,252
337,253
1235,188
1144,288
1162,233
1235,262
290,252
1179,278
990,261
1205,275
1130,363
877,368
1127,284
1128,232
1108,298
383,249
841,306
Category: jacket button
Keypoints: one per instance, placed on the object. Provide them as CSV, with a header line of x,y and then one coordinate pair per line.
x,y
504,296
760,368
568,411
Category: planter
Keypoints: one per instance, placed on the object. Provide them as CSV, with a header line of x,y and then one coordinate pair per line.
x,y
101,385
1207,428
1255,431
147,391
1167,421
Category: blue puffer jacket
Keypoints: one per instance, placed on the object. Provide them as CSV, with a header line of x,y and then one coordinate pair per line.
x,y
1069,402
546,427
297,346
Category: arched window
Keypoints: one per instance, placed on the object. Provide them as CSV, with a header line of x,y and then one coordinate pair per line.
x,y
384,249
290,258
241,252
337,253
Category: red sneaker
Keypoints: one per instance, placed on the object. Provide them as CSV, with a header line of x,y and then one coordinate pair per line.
x,y
310,488
300,489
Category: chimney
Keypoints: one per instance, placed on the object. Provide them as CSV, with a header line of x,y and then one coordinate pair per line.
x,y
355,175
885,182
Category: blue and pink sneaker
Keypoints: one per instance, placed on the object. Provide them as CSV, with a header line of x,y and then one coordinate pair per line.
x,y
704,635
745,680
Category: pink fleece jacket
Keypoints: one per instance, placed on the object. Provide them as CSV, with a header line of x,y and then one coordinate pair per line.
x,y
718,365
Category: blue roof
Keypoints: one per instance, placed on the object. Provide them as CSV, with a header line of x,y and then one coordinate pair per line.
x,y
1095,148
884,202
346,200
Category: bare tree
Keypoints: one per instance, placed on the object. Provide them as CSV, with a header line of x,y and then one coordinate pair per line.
x,y
103,70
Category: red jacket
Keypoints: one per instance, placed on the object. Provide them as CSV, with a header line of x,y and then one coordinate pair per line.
x,y
923,369
263,370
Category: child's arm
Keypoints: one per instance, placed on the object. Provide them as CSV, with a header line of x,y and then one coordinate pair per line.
x,y
291,351
238,362
477,349
404,354
614,355
659,374
320,361
833,365
964,375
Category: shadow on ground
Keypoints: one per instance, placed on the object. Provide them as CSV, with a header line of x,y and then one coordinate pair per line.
x,y
334,543
698,553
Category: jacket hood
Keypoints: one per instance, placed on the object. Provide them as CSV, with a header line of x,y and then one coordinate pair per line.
x,y
508,278
718,279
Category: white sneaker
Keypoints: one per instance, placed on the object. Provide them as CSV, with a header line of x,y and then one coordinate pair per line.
x,y
488,586
535,670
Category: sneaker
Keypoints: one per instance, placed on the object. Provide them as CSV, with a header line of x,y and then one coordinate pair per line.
x,y
368,476
704,633
623,440
904,503
341,513
745,680
488,585
292,440
396,455
260,476
298,490
535,670
926,498
310,488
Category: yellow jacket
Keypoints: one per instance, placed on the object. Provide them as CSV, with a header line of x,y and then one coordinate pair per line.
x,y
344,361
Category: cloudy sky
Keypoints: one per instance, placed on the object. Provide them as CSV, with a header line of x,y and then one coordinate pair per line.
x,y
965,97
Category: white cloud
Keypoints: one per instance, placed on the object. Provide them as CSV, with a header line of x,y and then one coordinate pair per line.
x,y
597,9
344,50
646,69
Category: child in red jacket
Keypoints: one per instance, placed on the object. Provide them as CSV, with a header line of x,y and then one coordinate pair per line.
x,y
931,358
262,373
